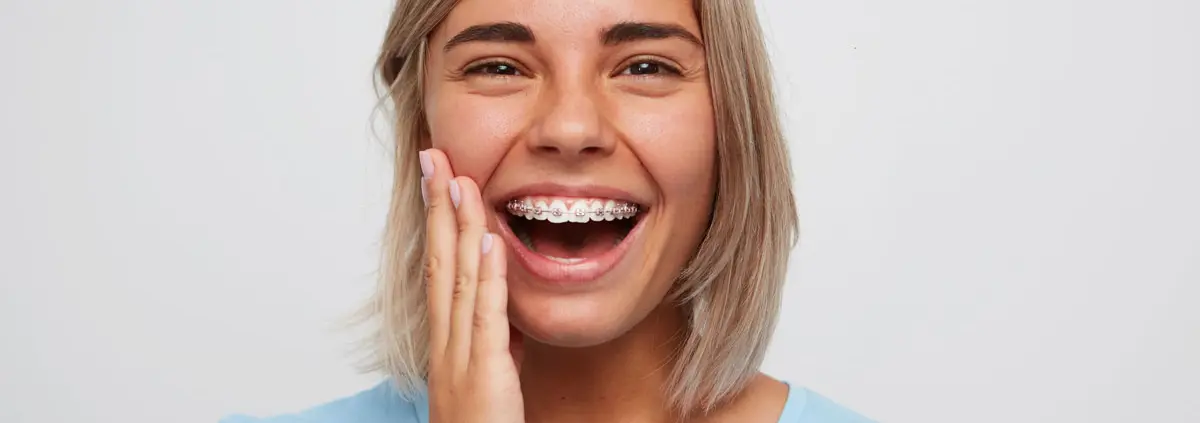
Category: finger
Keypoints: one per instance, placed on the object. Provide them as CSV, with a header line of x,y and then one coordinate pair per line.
x,y
472,224
492,336
441,236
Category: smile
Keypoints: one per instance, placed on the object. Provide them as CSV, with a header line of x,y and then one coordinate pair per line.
x,y
570,239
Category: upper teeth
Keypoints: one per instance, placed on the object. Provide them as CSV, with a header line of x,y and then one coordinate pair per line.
x,y
580,210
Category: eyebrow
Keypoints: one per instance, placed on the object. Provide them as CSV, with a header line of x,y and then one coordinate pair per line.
x,y
626,32
495,32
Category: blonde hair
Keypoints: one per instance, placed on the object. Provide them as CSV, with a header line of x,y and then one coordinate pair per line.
x,y
731,289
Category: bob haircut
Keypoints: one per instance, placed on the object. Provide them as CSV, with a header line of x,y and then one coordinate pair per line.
x,y
730,292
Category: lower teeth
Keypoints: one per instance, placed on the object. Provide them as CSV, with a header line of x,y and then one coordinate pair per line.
x,y
565,260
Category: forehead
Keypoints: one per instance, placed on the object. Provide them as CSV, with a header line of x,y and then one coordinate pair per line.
x,y
567,20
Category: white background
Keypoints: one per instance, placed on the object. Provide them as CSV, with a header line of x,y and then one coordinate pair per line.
x,y
999,200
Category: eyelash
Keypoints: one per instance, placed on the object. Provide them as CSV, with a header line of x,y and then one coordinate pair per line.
x,y
484,67
662,66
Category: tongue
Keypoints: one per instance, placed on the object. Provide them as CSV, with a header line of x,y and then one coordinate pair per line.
x,y
575,240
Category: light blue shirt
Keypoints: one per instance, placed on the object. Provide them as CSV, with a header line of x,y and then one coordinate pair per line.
x,y
382,404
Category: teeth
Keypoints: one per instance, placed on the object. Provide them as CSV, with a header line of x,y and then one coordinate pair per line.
x,y
540,207
558,212
565,260
581,210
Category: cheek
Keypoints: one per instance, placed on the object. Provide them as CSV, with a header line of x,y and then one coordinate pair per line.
x,y
675,141
475,132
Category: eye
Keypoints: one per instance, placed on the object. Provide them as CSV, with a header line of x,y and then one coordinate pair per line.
x,y
645,67
498,68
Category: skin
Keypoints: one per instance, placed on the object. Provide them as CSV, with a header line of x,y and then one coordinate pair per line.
x,y
562,105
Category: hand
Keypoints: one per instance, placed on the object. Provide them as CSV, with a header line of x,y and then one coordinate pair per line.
x,y
473,376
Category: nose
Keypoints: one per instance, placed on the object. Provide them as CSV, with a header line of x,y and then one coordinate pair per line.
x,y
572,126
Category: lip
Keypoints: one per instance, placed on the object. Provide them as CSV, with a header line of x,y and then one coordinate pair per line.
x,y
580,272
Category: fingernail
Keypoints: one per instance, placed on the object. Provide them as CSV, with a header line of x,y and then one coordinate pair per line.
x,y
426,164
424,190
487,243
455,196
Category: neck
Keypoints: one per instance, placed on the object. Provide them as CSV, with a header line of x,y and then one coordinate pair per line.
x,y
621,380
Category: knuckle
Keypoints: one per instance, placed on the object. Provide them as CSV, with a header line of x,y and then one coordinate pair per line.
x,y
460,285
434,202
437,194
432,264
467,227
471,225
481,321
496,278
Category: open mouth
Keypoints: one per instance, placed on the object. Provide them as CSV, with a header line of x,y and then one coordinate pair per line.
x,y
570,239
567,229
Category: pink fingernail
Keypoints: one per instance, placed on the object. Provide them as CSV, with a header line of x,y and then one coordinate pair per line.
x,y
455,196
424,190
426,163
487,243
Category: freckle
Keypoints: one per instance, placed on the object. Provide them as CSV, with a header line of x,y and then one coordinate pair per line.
x,y
562,398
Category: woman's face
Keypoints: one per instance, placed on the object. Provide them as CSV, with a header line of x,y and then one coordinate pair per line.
x,y
589,128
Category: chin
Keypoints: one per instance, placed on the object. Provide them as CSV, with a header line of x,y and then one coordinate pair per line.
x,y
571,321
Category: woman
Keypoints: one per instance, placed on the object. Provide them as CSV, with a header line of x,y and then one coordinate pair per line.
x,y
607,218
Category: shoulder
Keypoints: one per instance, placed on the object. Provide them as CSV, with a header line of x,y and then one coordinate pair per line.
x,y
806,406
381,404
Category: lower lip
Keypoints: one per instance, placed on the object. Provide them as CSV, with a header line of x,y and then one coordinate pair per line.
x,y
578,270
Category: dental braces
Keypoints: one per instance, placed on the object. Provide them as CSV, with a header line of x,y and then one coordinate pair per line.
x,y
621,211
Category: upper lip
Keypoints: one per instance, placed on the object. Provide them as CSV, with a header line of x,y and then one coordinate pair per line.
x,y
547,189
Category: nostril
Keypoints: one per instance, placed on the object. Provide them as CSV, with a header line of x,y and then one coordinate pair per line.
x,y
585,151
